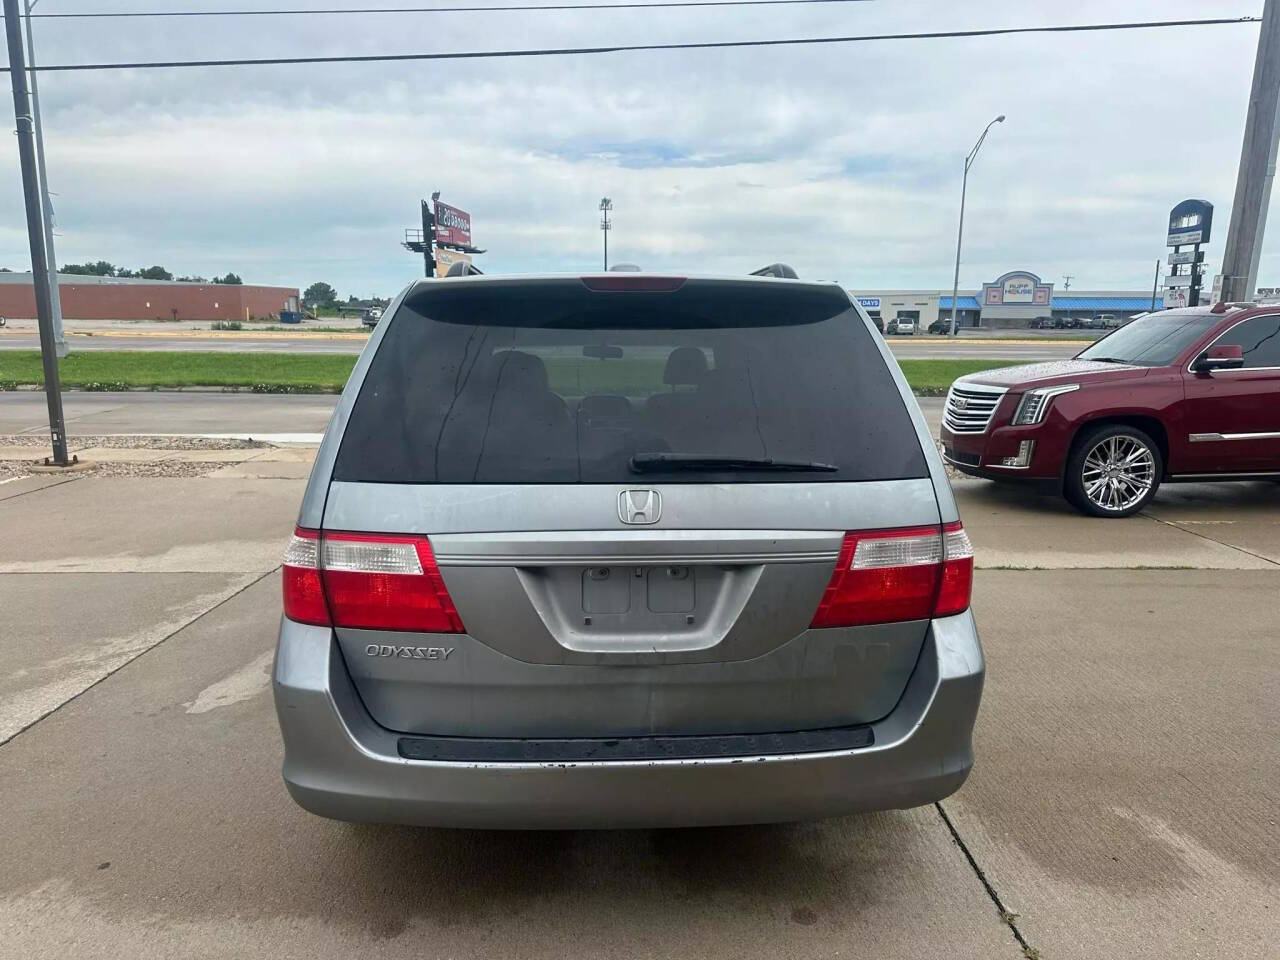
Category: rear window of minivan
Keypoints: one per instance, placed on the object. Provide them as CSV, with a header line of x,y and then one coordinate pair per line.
x,y
551,382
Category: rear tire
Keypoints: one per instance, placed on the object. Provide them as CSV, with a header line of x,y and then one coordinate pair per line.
x,y
1113,471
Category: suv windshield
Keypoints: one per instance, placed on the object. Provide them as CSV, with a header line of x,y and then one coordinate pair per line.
x,y
1152,341
549,382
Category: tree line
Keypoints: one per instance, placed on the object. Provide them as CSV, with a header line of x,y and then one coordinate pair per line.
x,y
321,294
103,268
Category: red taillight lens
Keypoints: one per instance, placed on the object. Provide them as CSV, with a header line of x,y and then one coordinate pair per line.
x,y
303,592
956,588
372,582
887,576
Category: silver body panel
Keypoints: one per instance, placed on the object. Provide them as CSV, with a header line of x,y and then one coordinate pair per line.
x,y
339,763
580,625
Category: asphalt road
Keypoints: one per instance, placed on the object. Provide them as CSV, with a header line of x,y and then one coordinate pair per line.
x,y
1122,804
238,414
196,412
914,347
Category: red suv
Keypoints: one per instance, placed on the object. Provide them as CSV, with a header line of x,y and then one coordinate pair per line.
x,y
1189,394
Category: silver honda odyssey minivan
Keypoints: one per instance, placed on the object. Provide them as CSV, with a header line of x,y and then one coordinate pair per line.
x,y
625,550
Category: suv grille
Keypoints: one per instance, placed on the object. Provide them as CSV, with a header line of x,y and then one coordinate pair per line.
x,y
969,407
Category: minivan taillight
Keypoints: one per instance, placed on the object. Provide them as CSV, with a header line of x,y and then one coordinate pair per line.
x,y
366,581
887,576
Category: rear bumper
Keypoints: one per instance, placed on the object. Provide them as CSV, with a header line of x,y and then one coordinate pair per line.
x,y
340,764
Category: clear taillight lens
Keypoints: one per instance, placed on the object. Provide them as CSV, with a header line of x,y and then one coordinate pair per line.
x,y
888,576
367,581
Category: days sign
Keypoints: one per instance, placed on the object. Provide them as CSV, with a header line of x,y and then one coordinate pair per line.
x,y
446,258
871,303
452,225
1190,222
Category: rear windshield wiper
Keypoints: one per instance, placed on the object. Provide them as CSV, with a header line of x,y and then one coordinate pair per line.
x,y
655,462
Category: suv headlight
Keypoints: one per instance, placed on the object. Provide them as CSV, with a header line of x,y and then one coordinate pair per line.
x,y
1035,403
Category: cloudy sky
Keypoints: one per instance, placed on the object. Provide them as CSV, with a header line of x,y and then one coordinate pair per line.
x,y
843,160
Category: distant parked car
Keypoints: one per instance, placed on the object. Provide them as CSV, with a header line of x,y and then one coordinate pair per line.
x,y
942,325
370,316
1109,321
1178,395
903,326
1041,323
1065,323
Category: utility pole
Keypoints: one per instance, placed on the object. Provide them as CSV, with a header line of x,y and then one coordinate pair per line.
x,y
429,236
605,226
1066,281
59,338
964,186
35,229
1155,285
1257,165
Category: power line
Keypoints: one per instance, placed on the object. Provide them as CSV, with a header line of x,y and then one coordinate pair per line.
x,y
639,47
640,5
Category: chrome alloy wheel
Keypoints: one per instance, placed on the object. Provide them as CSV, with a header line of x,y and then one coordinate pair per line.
x,y
1118,472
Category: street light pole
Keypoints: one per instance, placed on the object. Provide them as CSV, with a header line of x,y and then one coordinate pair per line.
x,y
35,231
605,225
964,185
59,339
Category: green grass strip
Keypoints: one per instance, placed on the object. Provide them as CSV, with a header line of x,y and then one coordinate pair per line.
x,y
163,369
307,372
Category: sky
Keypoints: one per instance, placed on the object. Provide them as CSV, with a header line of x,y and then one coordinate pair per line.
x,y
843,160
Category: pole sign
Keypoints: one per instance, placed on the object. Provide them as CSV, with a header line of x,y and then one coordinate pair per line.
x,y
453,226
1190,224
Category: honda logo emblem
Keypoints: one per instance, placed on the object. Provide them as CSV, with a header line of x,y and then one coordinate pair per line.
x,y
639,506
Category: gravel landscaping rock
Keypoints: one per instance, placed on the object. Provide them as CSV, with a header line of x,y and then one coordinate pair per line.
x,y
136,442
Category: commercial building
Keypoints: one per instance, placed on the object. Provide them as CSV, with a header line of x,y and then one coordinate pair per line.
x,y
1011,300
127,298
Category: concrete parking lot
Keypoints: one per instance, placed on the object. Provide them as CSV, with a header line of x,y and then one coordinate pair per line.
x,y
1123,802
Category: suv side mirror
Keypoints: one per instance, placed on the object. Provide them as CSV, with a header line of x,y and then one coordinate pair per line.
x,y
1221,356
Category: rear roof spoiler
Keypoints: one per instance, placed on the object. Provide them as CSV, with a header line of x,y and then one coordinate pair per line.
x,y
779,270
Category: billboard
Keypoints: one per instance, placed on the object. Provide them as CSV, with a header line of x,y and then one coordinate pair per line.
x,y
452,225
446,258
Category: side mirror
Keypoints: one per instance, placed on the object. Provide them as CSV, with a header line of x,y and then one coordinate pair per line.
x,y
1221,356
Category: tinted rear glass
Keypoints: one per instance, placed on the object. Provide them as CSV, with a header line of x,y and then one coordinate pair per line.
x,y
548,382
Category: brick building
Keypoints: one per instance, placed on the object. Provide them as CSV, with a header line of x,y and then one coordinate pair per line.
x,y
127,298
